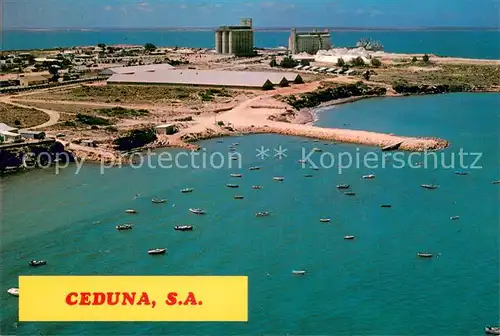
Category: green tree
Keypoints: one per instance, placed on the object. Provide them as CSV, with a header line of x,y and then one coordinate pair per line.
x,y
414,59
273,62
340,62
366,75
102,46
288,62
425,58
305,62
376,62
54,71
358,61
149,47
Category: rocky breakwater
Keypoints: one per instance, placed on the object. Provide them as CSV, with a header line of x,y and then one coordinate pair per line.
x,y
39,154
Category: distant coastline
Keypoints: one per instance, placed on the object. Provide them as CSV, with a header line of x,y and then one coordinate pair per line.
x,y
259,29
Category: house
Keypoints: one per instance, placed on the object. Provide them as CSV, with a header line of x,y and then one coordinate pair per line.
x,y
33,135
167,129
33,80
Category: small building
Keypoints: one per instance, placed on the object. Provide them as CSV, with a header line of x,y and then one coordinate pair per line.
x,y
235,40
309,42
9,136
32,80
33,135
166,129
88,143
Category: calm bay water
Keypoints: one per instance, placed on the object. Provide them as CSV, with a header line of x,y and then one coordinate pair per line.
x,y
374,285
469,44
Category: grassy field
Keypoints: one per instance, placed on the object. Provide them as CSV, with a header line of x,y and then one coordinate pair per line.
x,y
20,117
485,76
129,94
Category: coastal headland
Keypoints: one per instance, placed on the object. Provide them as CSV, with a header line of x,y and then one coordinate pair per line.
x,y
101,114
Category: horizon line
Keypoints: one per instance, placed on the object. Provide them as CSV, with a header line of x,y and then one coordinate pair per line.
x,y
256,28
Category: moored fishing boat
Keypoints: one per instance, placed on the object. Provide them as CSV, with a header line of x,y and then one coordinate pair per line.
x,y
424,255
308,175
492,330
229,185
256,187
13,291
350,193
317,150
130,211
238,197
278,178
183,227
429,186
324,220
36,263
158,200
496,182
301,161
124,227
157,251
385,205
298,272
262,214
461,173
254,168
368,177
454,217
197,211
342,186
349,237
187,190
236,175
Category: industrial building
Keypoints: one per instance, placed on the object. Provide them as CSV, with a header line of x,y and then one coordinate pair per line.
x,y
208,78
309,42
108,72
32,80
235,40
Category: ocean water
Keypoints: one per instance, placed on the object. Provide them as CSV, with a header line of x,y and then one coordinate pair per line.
x,y
470,44
373,285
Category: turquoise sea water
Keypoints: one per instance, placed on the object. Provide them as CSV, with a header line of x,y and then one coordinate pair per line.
x,y
471,44
373,285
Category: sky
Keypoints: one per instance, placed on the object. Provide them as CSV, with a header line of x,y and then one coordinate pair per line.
x,y
19,14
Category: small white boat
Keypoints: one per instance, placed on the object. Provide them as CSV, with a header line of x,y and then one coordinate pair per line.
x,y
197,211
496,182
368,177
235,144
349,237
256,187
298,272
317,150
232,185
13,291
238,197
301,161
35,263
183,228
492,330
254,168
234,158
278,178
124,227
324,220
157,251
429,186
308,175
342,186
424,255
262,214
130,211
454,217
463,173
158,201
187,190
350,193
236,175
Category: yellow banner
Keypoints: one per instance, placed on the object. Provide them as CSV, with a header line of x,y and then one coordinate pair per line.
x,y
133,298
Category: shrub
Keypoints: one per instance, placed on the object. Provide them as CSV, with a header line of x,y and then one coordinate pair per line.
x,y
273,63
91,120
414,59
288,62
220,123
358,61
340,62
425,58
135,138
376,62
305,62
